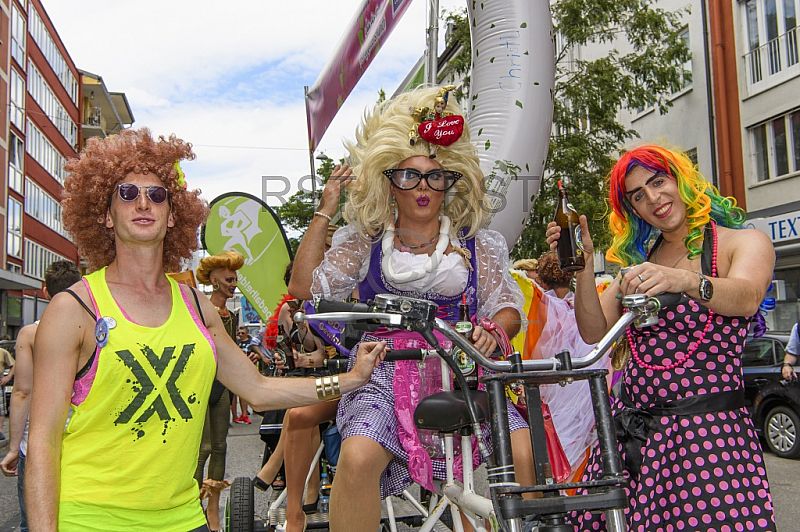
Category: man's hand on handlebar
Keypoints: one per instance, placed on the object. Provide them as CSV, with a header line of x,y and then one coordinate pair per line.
x,y
484,341
653,279
369,355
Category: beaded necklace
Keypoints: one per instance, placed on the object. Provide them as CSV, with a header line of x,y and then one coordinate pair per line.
x,y
709,323
407,248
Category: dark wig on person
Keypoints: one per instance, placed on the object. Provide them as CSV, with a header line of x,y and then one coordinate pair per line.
x,y
105,163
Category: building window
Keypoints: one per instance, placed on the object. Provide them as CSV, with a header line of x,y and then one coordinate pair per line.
x,y
43,207
17,99
50,104
776,147
50,50
692,155
16,162
44,153
771,38
18,36
14,221
38,258
687,66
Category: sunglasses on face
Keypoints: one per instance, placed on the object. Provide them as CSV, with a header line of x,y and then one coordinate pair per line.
x,y
129,192
409,178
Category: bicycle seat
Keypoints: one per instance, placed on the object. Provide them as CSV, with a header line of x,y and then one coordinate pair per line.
x,y
447,411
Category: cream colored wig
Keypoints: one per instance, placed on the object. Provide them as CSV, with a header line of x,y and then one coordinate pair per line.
x,y
526,265
382,142
231,260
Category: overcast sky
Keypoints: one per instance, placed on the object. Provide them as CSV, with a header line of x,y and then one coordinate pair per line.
x,y
228,76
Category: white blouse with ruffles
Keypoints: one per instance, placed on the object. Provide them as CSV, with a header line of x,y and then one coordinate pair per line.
x,y
347,262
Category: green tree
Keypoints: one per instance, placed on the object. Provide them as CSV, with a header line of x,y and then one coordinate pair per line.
x,y
588,95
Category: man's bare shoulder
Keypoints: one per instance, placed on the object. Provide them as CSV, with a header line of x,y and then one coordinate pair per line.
x,y
744,237
67,308
26,335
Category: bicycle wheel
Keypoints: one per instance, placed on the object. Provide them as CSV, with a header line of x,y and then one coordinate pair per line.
x,y
239,510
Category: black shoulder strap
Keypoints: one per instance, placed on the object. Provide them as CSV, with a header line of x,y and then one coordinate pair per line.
x,y
84,305
708,250
197,302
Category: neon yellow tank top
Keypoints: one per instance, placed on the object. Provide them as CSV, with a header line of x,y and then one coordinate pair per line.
x,y
130,447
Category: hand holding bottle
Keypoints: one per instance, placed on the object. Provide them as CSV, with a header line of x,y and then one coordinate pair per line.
x,y
569,244
554,233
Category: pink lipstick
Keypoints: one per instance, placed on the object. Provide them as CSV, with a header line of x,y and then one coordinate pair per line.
x,y
423,201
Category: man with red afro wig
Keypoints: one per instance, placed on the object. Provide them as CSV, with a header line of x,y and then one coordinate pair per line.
x,y
124,359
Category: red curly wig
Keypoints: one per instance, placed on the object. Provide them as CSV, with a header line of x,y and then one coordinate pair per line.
x,y
550,273
102,165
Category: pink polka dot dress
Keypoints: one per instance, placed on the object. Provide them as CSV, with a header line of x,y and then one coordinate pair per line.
x,y
699,472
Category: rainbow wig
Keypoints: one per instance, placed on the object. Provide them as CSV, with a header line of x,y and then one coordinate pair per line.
x,y
703,203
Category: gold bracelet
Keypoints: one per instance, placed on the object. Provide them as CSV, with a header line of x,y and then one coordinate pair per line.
x,y
328,388
320,389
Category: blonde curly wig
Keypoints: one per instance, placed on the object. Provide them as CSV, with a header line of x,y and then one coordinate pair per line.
x,y
382,142
106,162
230,260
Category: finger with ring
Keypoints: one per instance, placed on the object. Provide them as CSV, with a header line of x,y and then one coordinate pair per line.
x,y
641,279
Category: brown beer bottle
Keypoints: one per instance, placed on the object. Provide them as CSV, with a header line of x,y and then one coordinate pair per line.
x,y
467,366
570,247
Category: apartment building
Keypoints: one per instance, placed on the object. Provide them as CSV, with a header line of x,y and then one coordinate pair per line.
x,y
43,131
39,132
769,93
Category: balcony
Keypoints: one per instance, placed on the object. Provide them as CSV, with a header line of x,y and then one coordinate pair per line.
x,y
773,62
93,117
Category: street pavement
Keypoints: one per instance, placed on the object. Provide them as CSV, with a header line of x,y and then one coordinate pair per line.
x,y
244,459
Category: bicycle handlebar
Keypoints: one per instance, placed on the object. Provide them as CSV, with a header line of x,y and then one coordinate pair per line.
x,y
327,305
407,354
397,312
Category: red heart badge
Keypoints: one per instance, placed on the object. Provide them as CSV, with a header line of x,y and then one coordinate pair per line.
x,y
442,131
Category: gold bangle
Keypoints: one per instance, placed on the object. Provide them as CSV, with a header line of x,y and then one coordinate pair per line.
x,y
328,388
320,389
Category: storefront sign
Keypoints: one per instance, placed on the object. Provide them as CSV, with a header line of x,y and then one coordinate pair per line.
x,y
780,228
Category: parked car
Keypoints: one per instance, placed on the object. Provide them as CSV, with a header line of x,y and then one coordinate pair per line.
x,y
774,403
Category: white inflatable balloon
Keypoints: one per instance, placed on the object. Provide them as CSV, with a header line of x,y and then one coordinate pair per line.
x,y
510,110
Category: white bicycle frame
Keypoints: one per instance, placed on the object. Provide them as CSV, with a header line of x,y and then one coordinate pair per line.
x,y
477,509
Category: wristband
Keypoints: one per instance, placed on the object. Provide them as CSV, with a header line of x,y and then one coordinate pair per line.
x,y
317,213
787,364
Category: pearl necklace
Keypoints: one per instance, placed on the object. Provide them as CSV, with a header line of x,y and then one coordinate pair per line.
x,y
706,329
387,246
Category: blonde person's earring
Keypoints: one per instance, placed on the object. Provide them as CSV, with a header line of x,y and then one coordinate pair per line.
x,y
393,208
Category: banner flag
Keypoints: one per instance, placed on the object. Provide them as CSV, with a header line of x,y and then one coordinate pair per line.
x,y
371,25
249,313
246,224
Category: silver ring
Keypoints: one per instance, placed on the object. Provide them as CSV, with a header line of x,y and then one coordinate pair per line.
x,y
640,277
